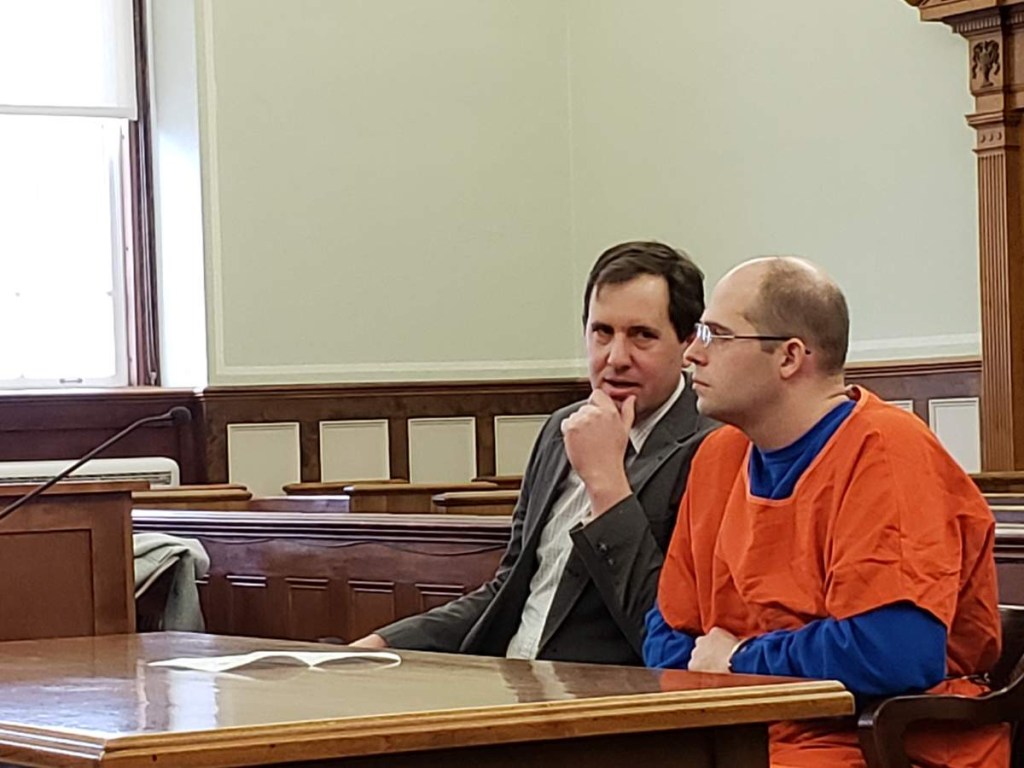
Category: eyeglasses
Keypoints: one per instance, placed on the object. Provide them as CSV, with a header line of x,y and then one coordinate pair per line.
x,y
705,336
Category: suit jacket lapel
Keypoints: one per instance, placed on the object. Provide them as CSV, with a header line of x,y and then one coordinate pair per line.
x,y
549,481
492,632
674,429
499,622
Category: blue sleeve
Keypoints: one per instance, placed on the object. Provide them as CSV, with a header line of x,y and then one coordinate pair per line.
x,y
665,647
894,649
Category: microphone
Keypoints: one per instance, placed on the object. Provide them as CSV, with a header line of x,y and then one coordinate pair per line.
x,y
178,415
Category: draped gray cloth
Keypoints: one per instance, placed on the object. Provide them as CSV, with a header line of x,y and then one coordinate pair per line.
x,y
156,553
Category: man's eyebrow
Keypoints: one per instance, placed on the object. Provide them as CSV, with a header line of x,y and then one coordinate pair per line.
x,y
716,327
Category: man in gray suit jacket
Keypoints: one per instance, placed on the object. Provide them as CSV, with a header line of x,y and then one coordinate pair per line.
x,y
601,490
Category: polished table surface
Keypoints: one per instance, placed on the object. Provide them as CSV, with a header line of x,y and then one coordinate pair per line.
x,y
96,701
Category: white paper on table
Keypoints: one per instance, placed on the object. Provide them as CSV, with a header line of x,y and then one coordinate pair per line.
x,y
309,658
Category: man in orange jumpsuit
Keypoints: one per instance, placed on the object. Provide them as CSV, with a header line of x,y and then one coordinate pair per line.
x,y
824,534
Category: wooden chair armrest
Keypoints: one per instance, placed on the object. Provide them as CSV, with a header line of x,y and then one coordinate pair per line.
x,y
882,724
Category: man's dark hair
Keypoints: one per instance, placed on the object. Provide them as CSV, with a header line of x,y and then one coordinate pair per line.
x,y
626,261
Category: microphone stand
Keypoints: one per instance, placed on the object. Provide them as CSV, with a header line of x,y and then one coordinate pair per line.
x,y
179,415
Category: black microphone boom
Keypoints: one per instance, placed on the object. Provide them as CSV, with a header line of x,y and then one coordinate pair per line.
x,y
179,415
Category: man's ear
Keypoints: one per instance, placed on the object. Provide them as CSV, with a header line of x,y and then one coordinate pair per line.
x,y
794,358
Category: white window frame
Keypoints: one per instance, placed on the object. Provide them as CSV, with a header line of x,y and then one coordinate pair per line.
x,y
120,202
51,43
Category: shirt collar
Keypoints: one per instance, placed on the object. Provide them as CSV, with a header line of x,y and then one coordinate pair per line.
x,y
642,430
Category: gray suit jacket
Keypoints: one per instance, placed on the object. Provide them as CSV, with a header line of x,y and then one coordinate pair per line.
x,y
611,579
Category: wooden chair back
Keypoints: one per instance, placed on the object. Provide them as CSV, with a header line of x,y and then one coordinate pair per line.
x,y
883,724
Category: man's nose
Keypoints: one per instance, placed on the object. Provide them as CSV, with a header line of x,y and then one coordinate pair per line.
x,y
696,353
618,352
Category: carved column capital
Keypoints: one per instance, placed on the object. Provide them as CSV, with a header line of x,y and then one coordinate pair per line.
x,y
996,130
944,10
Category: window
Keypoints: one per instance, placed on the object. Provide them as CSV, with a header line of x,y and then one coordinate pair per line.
x,y
73,303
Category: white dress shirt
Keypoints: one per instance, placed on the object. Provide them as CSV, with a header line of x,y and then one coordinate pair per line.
x,y
571,507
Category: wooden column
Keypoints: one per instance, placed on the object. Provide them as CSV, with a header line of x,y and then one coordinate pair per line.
x,y
994,30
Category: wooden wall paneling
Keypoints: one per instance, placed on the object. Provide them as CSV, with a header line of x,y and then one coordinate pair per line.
x,y
442,450
68,424
398,447
191,456
994,30
919,381
1010,562
211,593
514,437
372,604
265,456
955,421
486,448
998,487
250,608
309,451
354,450
311,605
432,595
906,405
395,402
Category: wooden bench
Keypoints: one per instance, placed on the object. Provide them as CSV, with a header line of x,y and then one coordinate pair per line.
x,y
306,576
999,482
497,502
335,487
505,482
211,496
405,498
298,575
325,503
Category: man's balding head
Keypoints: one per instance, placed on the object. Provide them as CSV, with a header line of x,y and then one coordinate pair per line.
x,y
769,352
797,298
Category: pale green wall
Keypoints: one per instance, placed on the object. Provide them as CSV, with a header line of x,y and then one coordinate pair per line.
x,y
391,194
833,130
413,189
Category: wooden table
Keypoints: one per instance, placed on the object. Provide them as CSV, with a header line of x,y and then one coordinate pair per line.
x,y
94,701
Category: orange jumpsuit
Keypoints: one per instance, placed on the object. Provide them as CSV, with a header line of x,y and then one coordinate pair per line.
x,y
882,515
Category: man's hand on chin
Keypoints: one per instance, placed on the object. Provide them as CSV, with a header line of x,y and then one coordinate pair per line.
x,y
620,402
595,442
